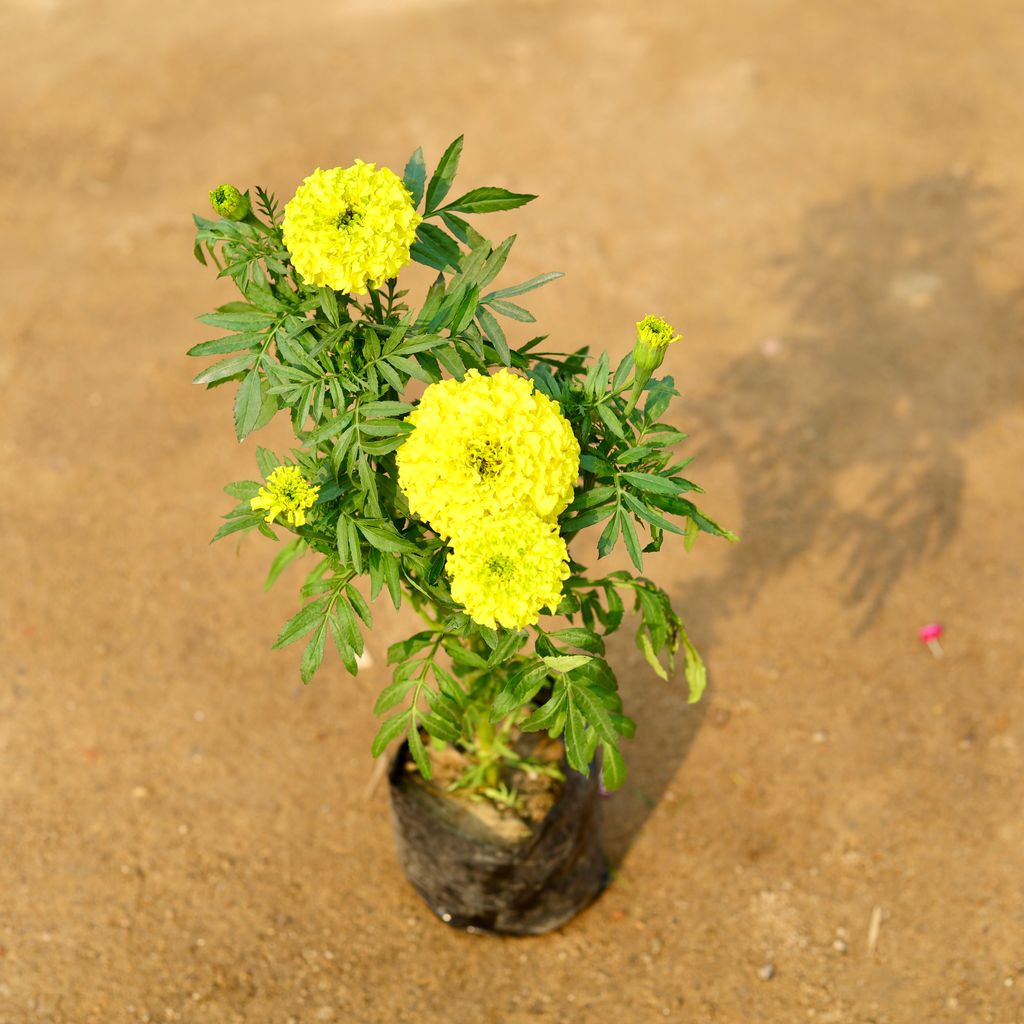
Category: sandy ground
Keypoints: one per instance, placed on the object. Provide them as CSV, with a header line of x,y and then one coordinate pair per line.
x,y
827,197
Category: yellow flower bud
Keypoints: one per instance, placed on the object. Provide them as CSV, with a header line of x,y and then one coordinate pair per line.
x,y
227,201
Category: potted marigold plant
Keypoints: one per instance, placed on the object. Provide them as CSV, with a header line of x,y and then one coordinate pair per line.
x,y
462,502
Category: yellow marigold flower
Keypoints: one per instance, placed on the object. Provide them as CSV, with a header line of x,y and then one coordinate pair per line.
x,y
287,493
487,446
350,227
505,570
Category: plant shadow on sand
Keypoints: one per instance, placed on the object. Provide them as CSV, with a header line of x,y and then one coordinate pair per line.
x,y
845,431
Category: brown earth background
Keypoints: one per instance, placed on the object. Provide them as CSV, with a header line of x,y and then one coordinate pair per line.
x,y
827,199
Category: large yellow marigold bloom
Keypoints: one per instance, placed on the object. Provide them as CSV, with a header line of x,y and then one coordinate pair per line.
x,y
504,570
287,494
487,446
350,227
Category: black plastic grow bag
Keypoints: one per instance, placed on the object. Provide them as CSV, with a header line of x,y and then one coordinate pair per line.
x,y
473,880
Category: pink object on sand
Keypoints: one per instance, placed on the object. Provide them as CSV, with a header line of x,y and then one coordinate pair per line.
x,y
929,635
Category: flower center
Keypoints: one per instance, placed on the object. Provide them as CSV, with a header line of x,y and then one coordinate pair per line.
x,y
500,566
486,457
345,218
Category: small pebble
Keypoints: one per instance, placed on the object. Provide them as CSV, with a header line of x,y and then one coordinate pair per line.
x,y
839,946
766,972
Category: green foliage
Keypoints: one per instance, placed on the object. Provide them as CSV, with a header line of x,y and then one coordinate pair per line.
x,y
342,369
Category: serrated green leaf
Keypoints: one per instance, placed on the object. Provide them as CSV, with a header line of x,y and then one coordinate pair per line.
x,y
644,643
441,180
419,754
390,729
243,490
392,695
495,335
415,175
225,369
566,662
696,671
267,461
576,739
384,537
632,542
229,343
609,535
511,310
585,639
613,767
301,623
489,199
292,550
248,402
313,655
526,286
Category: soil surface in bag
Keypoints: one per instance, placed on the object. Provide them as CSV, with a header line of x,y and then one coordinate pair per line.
x,y
512,876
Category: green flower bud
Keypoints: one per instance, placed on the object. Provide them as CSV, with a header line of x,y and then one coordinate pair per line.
x,y
229,202
653,336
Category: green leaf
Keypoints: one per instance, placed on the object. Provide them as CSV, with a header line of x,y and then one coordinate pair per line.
x,y
566,662
371,409
382,535
229,343
644,643
613,767
526,286
441,181
610,420
267,461
329,304
392,695
434,248
301,623
390,729
609,535
415,175
489,199
520,688
696,671
585,639
511,310
632,543
224,369
496,261
576,740
292,550
651,482
243,490
237,525
419,754
313,655
495,335
247,320
358,603
546,716
649,515
248,403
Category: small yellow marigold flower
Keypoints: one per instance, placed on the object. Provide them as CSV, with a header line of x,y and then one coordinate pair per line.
x,y
654,331
503,571
487,446
350,227
287,493
229,202
653,336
